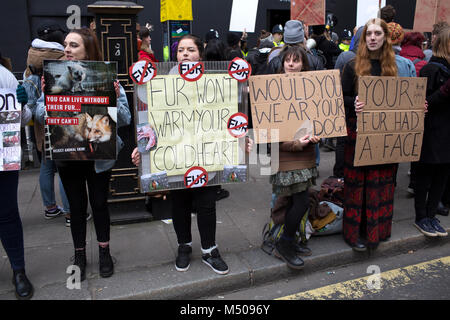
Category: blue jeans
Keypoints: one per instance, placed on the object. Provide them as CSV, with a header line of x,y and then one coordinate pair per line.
x,y
46,183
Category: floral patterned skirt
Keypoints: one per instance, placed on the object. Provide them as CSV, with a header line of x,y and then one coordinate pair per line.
x,y
286,183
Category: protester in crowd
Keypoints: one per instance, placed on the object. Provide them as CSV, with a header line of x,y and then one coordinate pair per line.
x,y
433,168
387,13
145,50
397,35
277,33
190,48
234,46
212,34
437,28
82,44
412,49
329,49
294,35
369,190
346,37
48,46
296,173
258,56
11,231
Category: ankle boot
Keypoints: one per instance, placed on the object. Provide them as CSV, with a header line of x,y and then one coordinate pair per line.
x,y
285,249
106,265
24,288
80,262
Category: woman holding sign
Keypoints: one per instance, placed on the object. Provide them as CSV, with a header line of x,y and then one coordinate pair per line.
x,y
296,173
203,199
433,168
11,231
82,44
369,190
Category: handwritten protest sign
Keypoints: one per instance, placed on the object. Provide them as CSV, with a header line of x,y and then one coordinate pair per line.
x,y
296,104
390,129
191,122
10,109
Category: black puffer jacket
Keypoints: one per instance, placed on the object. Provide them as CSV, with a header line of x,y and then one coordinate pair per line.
x,y
329,48
436,138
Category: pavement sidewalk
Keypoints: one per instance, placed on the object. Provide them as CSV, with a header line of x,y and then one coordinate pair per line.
x,y
145,252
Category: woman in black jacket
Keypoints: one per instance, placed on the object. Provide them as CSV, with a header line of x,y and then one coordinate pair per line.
x,y
433,168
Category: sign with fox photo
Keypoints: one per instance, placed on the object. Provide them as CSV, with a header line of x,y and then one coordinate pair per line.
x,y
81,110
183,128
10,116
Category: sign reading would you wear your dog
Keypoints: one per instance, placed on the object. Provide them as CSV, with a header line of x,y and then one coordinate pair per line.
x,y
390,128
296,104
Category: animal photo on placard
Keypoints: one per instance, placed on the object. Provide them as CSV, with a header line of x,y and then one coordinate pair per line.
x,y
81,105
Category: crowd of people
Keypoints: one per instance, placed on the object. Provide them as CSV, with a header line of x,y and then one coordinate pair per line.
x,y
379,48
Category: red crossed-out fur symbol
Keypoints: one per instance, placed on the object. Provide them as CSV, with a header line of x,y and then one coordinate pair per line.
x,y
142,71
237,125
194,70
195,177
239,69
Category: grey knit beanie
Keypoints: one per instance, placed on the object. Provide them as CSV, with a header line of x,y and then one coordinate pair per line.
x,y
293,32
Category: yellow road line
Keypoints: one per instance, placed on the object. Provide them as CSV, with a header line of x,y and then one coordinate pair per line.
x,y
358,288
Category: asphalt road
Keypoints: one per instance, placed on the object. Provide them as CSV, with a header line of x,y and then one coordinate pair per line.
x,y
415,275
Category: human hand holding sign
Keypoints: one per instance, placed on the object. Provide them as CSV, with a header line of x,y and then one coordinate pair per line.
x,y
359,105
136,157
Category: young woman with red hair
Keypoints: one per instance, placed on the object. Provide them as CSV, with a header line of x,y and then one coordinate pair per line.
x,y
369,190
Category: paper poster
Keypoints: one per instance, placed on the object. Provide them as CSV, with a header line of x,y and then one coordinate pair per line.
x,y
243,15
286,107
10,116
311,12
176,10
81,107
368,9
390,128
190,120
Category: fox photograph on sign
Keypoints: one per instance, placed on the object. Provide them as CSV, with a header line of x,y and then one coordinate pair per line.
x,y
81,109
296,104
191,128
390,128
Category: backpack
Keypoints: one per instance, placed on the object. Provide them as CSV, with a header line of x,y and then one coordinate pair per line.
x,y
332,190
272,232
319,53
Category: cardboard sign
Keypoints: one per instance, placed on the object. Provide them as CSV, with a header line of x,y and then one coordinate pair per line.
x,y
240,69
243,15
429,12
238,125
195,177
191,71
10,117
142,71
390,129
296,104
311,12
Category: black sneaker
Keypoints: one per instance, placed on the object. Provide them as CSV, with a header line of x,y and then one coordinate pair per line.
x,y
183,260
216,263
53,213
222,194
425,227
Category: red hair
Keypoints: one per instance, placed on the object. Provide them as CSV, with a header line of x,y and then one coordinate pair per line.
x,y
413,39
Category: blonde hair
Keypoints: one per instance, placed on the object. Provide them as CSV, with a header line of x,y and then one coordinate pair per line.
x,y
440,46
387,55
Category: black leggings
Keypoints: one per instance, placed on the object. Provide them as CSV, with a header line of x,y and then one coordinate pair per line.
x,y
295,213
202,201
429,188
74,178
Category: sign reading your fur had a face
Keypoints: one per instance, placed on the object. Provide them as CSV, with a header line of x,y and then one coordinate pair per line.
x,y
81,105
